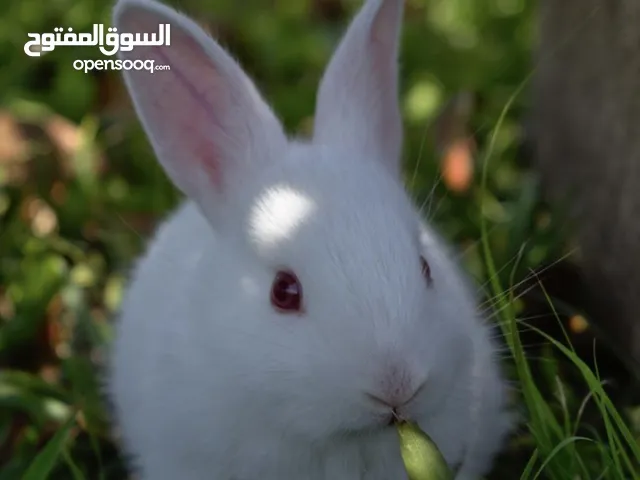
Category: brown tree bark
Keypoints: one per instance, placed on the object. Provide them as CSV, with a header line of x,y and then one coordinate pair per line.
x,y
586,130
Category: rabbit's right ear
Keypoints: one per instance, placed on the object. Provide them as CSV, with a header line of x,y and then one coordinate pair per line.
x,y
203,115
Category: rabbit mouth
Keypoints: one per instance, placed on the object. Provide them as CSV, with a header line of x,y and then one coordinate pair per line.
x,y
389,420
396,418
382,424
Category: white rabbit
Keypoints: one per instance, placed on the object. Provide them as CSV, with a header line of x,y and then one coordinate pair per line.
x,y
296,303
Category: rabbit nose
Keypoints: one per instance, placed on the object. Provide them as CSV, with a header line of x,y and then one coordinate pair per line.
x,y
396,389
396,399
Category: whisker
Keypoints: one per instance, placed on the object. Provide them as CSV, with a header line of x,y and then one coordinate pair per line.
x,y
430,197
420,150
475,243
430,214
530,276
498,272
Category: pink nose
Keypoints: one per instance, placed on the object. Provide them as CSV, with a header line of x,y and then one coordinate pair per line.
x,y
394,401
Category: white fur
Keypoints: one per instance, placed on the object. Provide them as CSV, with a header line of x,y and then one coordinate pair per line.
x,y
208,380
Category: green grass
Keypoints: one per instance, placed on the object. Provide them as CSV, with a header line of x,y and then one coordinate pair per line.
x,y
80,191
559,452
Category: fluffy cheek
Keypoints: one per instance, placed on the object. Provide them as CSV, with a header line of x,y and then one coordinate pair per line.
x,y
320,410
444,407
447,422
445,365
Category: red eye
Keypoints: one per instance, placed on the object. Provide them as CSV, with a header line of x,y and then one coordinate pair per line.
x,y
286,292
426,270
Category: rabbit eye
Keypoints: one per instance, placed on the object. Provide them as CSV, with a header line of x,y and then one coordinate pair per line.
x,y
426,270
286,292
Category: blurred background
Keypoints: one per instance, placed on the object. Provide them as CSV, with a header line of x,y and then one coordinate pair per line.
x,y
80,191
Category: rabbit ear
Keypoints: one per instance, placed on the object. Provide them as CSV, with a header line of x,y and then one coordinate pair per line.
x,y
204,117
357,104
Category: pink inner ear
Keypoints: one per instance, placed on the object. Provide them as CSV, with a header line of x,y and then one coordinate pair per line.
x,y
384,38
204,153
184,103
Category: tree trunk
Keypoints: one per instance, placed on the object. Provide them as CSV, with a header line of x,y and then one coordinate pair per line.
x,y
586,130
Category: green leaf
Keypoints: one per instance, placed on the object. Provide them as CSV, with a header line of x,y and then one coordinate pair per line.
x,y
48,458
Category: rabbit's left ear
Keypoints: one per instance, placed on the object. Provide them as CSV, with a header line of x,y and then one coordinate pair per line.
x,y
357,105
